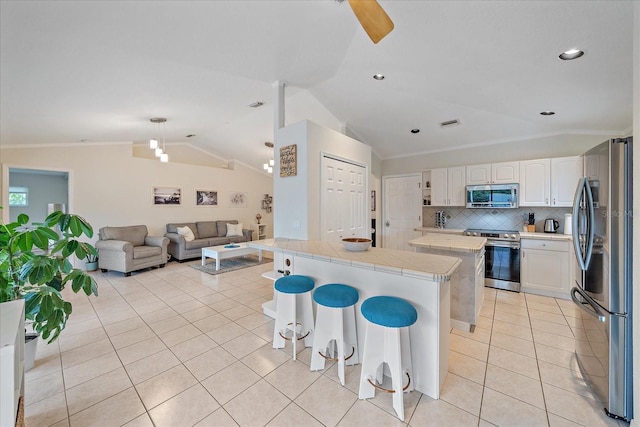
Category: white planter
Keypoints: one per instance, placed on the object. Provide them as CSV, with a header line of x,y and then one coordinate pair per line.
x,y
30,348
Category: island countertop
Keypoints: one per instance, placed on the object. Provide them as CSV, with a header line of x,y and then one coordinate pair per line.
x,y
450,242
437,268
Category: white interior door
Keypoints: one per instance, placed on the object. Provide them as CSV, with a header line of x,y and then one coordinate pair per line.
x,y
402,210
343,204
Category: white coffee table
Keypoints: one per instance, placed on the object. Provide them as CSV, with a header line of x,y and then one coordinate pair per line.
x,y
220,252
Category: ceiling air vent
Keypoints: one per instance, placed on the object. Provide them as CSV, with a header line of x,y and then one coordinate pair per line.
x,y
450,123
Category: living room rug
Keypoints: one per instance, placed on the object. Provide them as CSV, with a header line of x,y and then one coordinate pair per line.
x,y
230,264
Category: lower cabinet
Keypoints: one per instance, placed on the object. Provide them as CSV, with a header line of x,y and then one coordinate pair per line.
x,y
546,267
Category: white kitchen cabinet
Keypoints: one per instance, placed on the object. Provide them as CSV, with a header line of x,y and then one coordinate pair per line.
x,y
505,172
549,182
479,174
535,182
493,173
456,191
448,186
565,173
546,267
439,194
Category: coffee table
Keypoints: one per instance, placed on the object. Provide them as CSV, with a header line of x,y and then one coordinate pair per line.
x,y
223,252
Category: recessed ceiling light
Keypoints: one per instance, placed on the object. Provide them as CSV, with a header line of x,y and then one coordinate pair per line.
x,y
547,113
256,104
415,130
571,54
378,76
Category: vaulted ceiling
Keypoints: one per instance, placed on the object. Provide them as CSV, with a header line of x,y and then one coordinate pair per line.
x,y
99,70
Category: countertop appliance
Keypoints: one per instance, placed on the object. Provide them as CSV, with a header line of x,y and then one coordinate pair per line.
x,y
568,224
492,196
551,225
602,236
502,258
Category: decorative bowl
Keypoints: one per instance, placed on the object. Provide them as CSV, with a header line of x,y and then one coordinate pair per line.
x,y
356,244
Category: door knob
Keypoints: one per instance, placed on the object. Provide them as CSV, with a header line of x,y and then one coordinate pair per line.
x,y
387,223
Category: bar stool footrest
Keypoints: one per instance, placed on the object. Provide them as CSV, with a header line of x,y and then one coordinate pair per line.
x,y
386,390
335,359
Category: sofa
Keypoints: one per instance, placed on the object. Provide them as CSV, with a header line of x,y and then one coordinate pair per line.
x,y
182,246
130,248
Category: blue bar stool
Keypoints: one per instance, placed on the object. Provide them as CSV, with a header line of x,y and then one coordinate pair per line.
x,y
387,341
294,311
335,321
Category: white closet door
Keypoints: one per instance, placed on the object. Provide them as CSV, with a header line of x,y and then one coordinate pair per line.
x,y
402,211
343,204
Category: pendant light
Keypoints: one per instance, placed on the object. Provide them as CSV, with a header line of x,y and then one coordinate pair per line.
x,y
153,143
268,165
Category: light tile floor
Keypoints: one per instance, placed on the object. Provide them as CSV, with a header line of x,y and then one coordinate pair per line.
x,y
177,347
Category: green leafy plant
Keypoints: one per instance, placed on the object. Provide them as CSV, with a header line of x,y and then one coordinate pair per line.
x,y
34,265
91,257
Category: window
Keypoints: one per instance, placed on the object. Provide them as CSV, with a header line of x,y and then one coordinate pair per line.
x,y
18,196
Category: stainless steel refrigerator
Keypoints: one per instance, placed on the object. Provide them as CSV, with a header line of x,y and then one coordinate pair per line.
x,y
602,236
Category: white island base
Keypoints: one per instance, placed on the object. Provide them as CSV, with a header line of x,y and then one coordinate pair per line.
x,y
430,296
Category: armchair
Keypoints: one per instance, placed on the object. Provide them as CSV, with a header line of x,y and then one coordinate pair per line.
x,y
130,248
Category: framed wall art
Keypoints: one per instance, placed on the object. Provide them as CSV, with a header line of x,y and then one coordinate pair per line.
x,y
206,198
167,196
237,199
288,160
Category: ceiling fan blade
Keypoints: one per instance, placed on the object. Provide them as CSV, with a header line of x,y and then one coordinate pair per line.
x,y
373,18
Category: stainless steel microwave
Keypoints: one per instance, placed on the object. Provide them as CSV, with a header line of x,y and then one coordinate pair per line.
x,y
501,196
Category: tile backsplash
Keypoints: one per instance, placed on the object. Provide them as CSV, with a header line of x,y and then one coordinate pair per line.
x,y
493,219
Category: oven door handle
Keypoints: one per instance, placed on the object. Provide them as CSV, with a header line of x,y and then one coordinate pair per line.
x,y
499,244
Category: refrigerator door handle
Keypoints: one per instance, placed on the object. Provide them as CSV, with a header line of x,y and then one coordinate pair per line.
x,y
583,254
596,312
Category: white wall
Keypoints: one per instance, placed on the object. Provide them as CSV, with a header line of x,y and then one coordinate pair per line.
x,y
43,189
298,198
551,146
109,186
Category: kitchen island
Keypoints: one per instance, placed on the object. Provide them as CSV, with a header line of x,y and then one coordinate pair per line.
x,y
422,279
467,293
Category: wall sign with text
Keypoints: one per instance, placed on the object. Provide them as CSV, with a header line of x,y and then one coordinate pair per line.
x,y
288,160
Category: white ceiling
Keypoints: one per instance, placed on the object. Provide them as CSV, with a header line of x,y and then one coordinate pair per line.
x,y
98,70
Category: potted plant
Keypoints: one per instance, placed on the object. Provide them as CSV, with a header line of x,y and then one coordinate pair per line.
x,y
91,262
34,265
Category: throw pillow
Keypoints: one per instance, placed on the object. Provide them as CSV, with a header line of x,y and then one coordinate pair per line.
x,y
234,230
186,232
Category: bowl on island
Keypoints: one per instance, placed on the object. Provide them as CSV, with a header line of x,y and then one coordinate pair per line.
x,y
356,244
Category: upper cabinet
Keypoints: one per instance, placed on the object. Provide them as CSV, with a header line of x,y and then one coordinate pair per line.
x,y
535,182
448,186
549,182
493,173
565,174
479,174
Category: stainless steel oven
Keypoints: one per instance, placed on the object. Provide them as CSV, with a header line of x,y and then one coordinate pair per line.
x,y
502,258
